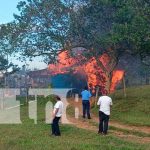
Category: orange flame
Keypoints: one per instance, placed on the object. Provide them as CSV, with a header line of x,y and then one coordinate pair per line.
x,y
64,64
116,78
94,73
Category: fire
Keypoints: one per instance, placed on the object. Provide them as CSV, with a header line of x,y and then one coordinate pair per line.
x,y
65,62
94,73
116,78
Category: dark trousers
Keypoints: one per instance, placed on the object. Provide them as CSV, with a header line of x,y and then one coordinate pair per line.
x,y
103,122
86,108
55,126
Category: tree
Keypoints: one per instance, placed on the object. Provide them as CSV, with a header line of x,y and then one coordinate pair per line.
x,y
131,28
41,28
91,27
114,27
6,50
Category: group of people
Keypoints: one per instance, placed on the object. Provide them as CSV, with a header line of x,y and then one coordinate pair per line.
x,y
104,103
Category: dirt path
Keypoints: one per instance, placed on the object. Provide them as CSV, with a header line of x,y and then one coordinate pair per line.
x,y
91,125
142,129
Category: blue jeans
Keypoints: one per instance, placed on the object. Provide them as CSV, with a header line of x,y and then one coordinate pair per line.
x,y
86,108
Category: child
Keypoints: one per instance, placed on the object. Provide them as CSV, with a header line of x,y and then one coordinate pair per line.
x,y
57,113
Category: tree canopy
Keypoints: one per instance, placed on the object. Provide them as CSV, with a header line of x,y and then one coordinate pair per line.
x,y
113,27
6,49
122,25
41,28
45,27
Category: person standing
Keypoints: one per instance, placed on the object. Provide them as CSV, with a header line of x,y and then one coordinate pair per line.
x,y
57,113
86,102
105,103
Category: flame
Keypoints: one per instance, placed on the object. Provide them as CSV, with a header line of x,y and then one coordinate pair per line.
x,y
63,65
116,78
94,73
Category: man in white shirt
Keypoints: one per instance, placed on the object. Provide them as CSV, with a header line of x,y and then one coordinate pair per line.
x,y
105,102
57,113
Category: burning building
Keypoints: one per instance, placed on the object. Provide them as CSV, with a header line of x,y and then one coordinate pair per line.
x,y
46,78
93,74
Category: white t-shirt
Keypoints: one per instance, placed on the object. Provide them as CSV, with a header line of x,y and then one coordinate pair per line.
x,y
59,105
105,102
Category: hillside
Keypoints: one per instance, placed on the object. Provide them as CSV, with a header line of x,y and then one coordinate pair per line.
x,y
135,108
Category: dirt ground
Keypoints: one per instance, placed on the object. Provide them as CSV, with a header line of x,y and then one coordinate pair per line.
x,y
92,126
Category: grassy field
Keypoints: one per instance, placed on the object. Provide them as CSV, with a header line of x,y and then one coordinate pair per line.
x,y
134,109
28,136
35,137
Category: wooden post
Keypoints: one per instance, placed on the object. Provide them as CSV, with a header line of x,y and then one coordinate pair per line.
x,y
2,101
96,97
124,86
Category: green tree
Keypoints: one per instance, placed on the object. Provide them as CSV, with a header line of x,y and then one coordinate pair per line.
x,y
91,27
6,50
131,27
41,28
114,27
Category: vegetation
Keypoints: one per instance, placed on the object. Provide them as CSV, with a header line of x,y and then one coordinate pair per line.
x,y
134,109
6,48
29,136
41,28
6,66
113,27
46,27
122,26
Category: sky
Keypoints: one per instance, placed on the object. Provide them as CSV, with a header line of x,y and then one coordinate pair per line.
x,y
7,9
